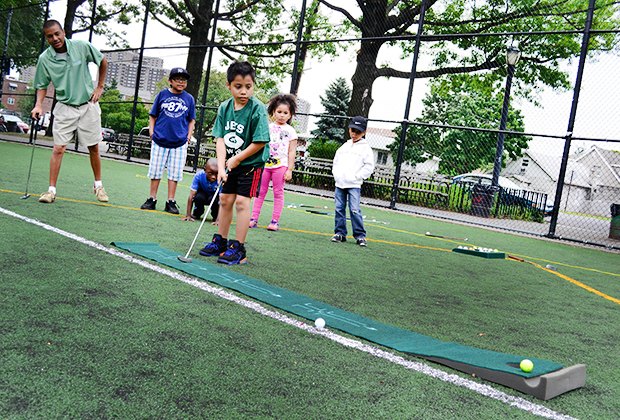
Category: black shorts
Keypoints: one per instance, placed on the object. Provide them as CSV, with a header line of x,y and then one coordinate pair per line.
x,y
244,181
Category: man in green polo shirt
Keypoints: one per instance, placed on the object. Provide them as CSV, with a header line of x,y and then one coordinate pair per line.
x,y
77,113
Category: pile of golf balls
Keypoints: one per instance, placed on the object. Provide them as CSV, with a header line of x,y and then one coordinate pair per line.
x,y
478,249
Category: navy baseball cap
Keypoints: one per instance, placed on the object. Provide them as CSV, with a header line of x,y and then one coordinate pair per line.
x,y
178,71
359,123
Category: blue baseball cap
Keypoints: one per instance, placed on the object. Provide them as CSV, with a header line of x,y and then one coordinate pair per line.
x,y
178,71
359,123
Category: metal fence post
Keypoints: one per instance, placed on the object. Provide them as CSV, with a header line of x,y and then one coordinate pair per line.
x,y
571,120
7,30
90,39
405,123
300,28
205,89
137,89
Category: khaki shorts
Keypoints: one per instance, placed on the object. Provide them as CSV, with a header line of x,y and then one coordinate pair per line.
x,y
83,121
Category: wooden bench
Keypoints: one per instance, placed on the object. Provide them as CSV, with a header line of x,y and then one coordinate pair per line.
x,y
141,146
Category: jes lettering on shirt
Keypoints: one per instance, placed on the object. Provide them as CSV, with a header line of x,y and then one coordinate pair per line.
x,y
234,126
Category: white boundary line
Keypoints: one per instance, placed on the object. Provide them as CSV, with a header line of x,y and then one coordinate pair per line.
x,y
482,389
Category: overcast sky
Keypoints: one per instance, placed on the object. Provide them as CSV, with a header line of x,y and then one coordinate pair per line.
x,y
597,115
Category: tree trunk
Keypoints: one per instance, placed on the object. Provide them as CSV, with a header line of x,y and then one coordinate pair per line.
x,y
363,78
375,24
72,6
196,55
195,62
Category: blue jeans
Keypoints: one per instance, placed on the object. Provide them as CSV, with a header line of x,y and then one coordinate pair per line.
x,y
353,196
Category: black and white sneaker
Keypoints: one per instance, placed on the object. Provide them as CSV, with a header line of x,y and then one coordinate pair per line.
x,y
361,241
171,207
339,238
149,204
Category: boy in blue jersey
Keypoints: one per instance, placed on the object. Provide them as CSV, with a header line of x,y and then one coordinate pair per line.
x,y
242,138
171,124
204,186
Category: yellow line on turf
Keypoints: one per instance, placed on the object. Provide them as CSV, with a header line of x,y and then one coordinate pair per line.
x,y
370,240
576,282
179,184
562,276
594,270
97,203
309,232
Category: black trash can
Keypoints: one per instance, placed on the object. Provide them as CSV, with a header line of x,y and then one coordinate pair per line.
x,y
614,228
482,200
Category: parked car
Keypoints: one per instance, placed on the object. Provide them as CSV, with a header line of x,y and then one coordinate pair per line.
x,y
512,194
15,124
485,179
108,134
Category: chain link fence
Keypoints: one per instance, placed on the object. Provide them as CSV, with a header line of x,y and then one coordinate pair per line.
x,y
450,110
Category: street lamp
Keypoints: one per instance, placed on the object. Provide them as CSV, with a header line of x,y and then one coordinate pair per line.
x,y
512,57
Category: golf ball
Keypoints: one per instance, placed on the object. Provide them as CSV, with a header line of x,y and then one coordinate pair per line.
x,y
428,233
526,365
319,323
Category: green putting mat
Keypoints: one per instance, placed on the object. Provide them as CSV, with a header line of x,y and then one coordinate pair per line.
x,y
385,335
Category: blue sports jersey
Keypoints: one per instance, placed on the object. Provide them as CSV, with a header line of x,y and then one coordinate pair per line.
x,y
201,183
172,113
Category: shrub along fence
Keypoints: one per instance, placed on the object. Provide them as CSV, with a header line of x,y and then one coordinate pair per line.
x,y
435,192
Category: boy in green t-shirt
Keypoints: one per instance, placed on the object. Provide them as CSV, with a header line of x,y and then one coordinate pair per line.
x,y
242,146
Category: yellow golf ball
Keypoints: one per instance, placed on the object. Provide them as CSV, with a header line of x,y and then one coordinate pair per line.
x,y
526,365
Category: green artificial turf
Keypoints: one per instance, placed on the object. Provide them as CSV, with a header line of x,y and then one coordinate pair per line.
x,y
86,334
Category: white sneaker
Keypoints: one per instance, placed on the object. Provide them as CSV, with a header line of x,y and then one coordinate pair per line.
x,y
47,197
101,195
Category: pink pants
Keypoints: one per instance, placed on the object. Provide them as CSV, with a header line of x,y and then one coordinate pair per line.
x,y
276,176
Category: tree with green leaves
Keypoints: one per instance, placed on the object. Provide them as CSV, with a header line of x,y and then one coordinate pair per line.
x,y
116,112
25,36
315,26
335,102
26,102
79,17
246,30
542,55
460,150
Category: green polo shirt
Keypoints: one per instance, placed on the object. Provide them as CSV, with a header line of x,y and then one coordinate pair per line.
x,y
69,75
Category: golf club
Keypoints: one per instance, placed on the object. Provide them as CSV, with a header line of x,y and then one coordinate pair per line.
x,y
445,237
34,127
312,207
186,258
318,212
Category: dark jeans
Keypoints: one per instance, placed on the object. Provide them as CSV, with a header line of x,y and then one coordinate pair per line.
x,y
357,221
202,199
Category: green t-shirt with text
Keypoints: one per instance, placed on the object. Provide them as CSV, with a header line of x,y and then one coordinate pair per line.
x,y
241,128
68,72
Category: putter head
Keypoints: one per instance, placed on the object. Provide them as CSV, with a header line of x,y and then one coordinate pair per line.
x,y
184,259
25,196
